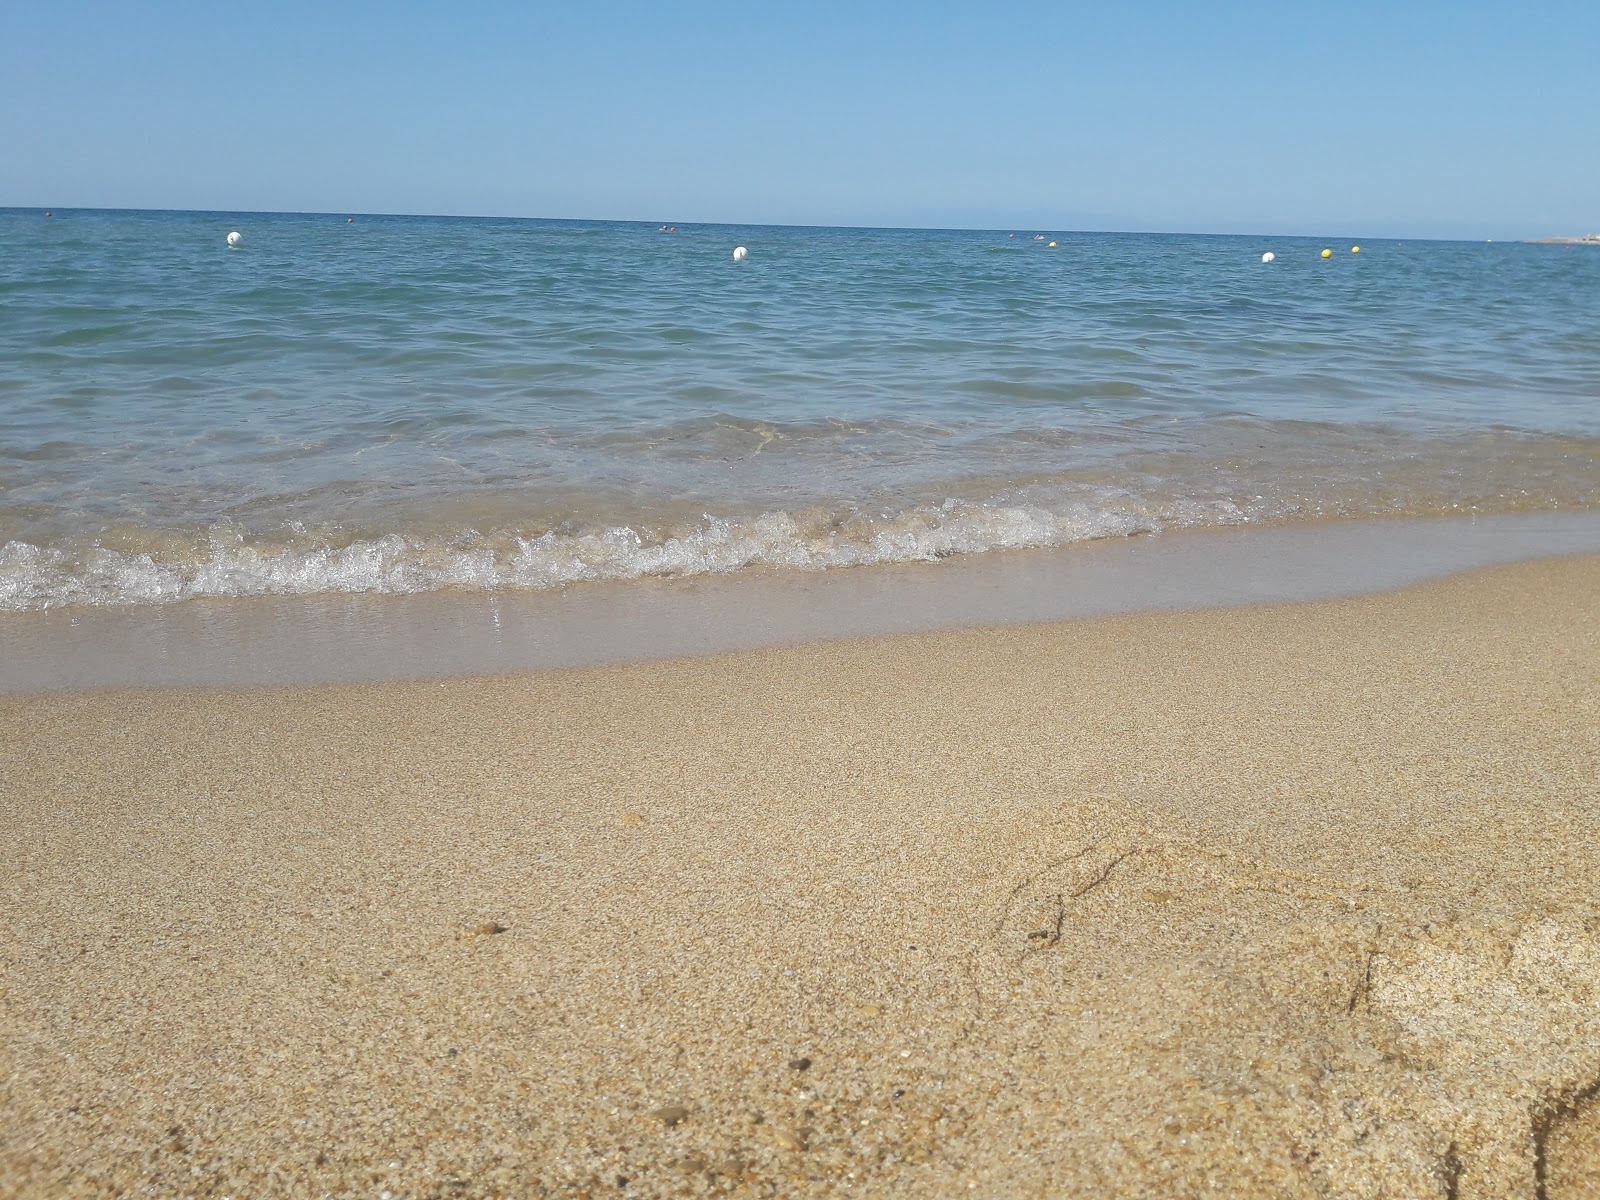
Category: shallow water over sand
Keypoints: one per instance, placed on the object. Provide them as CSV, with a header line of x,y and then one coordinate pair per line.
x,y
365,638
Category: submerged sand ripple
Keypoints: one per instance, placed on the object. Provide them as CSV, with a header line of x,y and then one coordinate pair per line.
x,y
1290,902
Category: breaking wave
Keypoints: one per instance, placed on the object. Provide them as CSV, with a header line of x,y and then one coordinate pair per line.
x,y
226,561
223,563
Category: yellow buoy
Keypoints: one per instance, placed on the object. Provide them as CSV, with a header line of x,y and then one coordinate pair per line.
x,y
1355,249
1327,254
1052,245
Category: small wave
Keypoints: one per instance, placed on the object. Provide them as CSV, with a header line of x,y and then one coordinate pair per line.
x,y
130,566
224,564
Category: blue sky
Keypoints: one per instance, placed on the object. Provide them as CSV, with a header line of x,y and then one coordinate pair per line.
x,y
1371,119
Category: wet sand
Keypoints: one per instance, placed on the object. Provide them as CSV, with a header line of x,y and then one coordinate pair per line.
x,y
1288,901
365,638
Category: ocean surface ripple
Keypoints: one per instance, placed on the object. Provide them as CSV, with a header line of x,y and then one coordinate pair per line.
x,y
397,404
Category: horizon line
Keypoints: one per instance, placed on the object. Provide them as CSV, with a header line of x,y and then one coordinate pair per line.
x,y
1060,229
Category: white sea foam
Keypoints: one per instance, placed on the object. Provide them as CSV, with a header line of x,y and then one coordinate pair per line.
x,y
163,567
224,564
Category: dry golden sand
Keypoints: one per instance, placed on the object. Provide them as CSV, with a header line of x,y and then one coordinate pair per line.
x,y
1293,902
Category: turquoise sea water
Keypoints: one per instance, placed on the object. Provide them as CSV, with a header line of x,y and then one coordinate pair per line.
x,y
404,404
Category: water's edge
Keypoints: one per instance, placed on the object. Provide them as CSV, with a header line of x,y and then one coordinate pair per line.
x,y
407,405
364,638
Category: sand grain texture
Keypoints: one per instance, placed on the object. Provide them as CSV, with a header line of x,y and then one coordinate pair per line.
x,y
1294,902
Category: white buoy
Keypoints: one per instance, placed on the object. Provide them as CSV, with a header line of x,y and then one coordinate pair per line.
x,y
1268,256
235,238
740,254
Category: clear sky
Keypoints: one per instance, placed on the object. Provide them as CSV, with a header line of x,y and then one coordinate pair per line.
x,y
1376,119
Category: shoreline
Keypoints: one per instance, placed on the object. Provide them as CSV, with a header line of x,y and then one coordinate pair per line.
x,y
1287,900
285,641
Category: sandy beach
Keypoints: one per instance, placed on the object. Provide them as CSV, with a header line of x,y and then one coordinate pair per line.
x,y
1284,901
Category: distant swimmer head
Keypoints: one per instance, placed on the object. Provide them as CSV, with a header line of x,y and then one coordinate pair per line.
x,y
1269,256
740,254
1327,254
235,238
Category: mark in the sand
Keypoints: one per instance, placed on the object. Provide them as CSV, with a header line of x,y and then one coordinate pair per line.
x,y
1048,868
1505,1022
1105,872
1211,866
1050,935
487,929
1468,1046
1046,896
1549,1117
1450,1168
1361,993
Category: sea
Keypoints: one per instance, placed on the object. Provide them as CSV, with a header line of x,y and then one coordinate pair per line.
x,y
351,403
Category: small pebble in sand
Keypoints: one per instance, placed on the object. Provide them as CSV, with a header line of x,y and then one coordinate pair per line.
x,y
868,1010
800,1064
787,1140
632,818
669,1115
